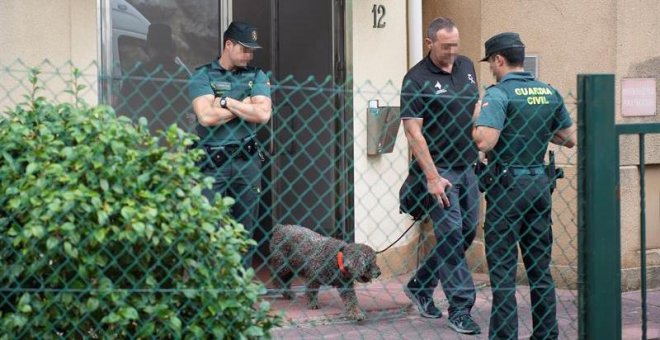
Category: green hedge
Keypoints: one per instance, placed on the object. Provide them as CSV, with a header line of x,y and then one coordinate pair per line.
x,y
104,231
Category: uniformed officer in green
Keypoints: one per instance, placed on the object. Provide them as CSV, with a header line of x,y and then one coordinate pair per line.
x,y
229,99
519,116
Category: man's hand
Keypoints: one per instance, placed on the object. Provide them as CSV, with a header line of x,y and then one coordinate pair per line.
x,y
438,187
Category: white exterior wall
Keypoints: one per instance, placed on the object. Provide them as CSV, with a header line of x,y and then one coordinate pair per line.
x,y
379,64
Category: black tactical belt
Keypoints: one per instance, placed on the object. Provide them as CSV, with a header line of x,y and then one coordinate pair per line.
x,y
219,155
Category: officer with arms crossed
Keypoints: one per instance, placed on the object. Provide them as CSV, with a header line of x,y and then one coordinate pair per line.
x,y
519,116
229,99
438,98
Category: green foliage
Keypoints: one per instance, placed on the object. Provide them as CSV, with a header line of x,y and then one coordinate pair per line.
x,y
104,233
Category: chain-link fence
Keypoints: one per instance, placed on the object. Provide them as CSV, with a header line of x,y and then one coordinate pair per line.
x,y
108,232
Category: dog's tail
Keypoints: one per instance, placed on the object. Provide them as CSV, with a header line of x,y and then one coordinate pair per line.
x,y
277,237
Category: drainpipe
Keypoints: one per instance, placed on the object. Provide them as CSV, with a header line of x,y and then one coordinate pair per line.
x,y
415,36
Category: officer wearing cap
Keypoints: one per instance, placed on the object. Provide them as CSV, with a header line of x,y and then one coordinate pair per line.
x,y
519,116
230,99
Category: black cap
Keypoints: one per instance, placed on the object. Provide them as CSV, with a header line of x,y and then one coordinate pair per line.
x,y
159,36
500,42
244,33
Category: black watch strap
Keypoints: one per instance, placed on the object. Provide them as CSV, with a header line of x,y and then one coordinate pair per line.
x,y
223,102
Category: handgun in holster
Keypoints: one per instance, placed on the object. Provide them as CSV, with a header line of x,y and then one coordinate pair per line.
x,y
552,171
485,175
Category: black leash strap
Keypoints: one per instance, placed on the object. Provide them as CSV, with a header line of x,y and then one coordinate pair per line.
x,y
400,237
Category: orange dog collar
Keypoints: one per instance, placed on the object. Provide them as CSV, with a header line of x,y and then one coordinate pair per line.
x,y
340,262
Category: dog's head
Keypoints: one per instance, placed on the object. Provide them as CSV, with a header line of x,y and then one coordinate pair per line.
x,y
360,262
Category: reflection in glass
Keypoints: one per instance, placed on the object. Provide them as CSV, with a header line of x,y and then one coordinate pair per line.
x,y
155,46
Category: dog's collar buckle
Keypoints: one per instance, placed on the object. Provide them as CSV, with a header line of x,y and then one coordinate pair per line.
x,y
340,262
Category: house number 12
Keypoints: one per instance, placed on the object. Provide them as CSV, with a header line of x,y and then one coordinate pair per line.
x,y
379,15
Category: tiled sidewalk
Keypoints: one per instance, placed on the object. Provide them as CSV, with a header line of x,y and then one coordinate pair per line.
x,y
390,314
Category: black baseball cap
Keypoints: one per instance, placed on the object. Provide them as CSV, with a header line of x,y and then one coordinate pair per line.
x,y
500,42
244,33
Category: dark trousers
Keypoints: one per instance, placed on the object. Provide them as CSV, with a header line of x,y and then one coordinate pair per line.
x,y
454,228
518,213
240,179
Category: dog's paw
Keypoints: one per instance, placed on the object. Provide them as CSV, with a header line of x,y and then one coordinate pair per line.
x,y
356,314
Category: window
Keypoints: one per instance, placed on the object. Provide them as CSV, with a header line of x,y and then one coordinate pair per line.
x,y
131,52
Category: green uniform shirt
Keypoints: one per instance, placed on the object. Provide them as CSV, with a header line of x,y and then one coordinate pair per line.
x,y
239,84
528,113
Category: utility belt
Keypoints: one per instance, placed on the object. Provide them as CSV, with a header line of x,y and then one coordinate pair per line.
x,y
216,156
504,175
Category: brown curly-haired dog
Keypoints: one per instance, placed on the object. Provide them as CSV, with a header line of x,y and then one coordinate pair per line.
x,y
296,250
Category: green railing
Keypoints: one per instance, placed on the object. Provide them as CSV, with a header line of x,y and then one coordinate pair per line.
x,y
599,213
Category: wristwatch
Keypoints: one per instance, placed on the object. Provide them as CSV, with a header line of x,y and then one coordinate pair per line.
x,y
223,102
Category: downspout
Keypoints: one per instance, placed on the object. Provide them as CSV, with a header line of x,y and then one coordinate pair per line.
x,y
415,38
104,51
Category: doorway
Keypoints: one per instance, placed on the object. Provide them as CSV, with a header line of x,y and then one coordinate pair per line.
x,y
307,179
308,176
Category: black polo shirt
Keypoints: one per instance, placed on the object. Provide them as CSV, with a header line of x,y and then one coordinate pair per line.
x,y
445,101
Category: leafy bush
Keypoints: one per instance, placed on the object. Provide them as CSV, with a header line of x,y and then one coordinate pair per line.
x,y
104,233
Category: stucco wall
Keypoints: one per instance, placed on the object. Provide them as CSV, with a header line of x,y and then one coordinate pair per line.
x,y
638,56
59,31
48,35
466,14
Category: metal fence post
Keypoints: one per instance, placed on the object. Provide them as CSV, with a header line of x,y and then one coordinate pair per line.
x,y
599,240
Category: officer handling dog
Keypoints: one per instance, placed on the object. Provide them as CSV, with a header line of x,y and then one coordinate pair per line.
x,y
519,116
438,98
229,99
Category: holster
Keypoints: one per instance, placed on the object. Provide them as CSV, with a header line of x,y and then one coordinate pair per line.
x,y
553,172
487,175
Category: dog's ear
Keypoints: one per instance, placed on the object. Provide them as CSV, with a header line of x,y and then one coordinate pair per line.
x,y
357,258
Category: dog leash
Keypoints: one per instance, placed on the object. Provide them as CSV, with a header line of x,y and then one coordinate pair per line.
x,y
400,237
